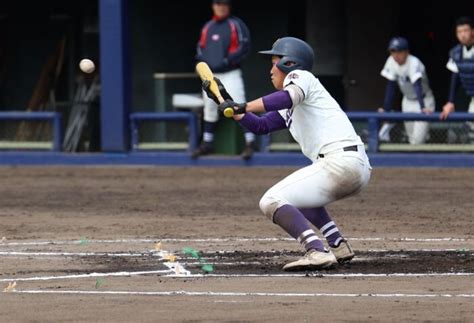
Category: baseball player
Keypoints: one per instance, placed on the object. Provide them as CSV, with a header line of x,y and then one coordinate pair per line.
x,y
461,64
340,166
409,72
224,43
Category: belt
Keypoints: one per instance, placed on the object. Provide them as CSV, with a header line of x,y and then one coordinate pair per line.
x,y
348,148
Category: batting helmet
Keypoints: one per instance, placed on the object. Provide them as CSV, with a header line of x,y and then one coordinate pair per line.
x,y
293,50
398,44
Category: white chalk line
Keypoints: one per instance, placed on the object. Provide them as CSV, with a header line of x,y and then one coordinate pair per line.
x,y
172,274
222,253
270,239
89,275
237,294
75,254
348,275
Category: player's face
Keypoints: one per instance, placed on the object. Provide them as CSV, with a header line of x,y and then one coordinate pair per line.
x,y
277,76
465,34
400,56
221,10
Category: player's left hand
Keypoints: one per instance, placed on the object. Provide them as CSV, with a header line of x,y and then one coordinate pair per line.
x,y
225,95
239,108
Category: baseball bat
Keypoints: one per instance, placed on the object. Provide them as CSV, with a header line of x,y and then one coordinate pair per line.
x,y
206,74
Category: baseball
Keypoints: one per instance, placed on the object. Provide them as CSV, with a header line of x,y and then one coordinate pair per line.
x,y
86,65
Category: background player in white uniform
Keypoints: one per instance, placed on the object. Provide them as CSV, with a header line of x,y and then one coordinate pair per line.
x,y
340,166
409,72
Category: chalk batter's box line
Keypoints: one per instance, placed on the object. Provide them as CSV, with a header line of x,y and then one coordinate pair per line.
x,y
171,274
221,253
240,294
270,239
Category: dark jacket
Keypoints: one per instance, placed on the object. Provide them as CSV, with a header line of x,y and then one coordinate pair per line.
x,y
466,69
223,44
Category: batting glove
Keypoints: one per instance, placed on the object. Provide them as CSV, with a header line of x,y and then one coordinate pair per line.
x,y
225,95
239,108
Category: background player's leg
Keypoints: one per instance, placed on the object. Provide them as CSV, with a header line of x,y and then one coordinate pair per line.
x,y
320,218
211,117
234,84
419,132
410,106
296,225
470,125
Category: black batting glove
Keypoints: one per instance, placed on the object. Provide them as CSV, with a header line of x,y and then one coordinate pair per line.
x,y
239,108
223,90
225,95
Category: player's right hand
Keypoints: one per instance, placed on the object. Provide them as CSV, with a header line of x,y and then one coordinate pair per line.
x,y
206,87
447,109
380,110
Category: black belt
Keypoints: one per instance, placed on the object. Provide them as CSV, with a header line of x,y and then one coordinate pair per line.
x,y
348,148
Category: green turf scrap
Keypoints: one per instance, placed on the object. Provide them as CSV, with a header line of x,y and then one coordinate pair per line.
x,y
98,282
193,253
208,268
83,241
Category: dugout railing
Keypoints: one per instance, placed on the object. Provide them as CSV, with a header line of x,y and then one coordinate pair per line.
x,y
25,116
369,131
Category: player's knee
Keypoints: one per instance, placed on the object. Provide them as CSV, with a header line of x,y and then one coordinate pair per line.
x,y
269,203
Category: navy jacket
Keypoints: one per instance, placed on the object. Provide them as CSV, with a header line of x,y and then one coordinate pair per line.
x,y
466,69
223,44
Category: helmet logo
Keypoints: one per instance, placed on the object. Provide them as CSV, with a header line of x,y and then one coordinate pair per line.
x,y
293,76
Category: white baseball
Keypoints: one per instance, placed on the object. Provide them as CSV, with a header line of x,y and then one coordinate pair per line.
x,y
86,65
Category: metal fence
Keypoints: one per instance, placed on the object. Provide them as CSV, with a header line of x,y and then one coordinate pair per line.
x,y
30,130
453,135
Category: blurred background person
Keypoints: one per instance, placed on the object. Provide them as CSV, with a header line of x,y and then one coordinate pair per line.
x,y
461,65
409,72
224,43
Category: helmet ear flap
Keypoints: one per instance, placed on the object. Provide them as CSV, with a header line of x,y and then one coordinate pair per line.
x,y
287,64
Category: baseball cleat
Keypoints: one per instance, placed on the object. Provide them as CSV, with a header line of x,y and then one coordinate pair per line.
x,y
202,150
343,252
312,260
248,152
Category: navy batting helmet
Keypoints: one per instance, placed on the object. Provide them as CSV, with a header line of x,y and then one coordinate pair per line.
x,y
398,44
292,50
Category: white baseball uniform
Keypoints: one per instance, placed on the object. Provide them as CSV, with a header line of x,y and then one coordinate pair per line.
x,y
406,75
234,85
320,126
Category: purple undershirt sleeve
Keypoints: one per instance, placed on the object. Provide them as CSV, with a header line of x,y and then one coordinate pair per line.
x,y
278,100
263,125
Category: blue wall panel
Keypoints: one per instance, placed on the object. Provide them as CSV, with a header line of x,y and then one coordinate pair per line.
x,y
115,74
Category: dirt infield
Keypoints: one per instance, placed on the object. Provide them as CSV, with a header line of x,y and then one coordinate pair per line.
x,y
81,245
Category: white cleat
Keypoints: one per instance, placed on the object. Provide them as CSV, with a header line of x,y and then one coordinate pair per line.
x,y
344,252
312,260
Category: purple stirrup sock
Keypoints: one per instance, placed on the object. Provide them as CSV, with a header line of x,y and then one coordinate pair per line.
x,y
321,220
293,221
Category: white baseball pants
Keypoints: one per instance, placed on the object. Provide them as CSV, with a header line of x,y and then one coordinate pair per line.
x,y
417,131
234,85
337,175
